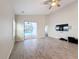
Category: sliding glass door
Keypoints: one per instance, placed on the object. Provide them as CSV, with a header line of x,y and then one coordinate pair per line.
x,y
30,30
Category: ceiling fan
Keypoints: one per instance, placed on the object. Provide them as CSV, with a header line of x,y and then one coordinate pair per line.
x,y
52,3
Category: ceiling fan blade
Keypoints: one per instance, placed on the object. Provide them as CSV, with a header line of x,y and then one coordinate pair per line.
x,y
46,2
50,0
59,0
50,7
58,5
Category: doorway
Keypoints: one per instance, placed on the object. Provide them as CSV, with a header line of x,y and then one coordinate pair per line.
x,y
30,30
46,31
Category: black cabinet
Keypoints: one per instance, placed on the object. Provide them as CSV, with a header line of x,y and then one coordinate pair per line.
x,y
73,40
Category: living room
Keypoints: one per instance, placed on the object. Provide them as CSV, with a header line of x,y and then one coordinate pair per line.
x,y
59,22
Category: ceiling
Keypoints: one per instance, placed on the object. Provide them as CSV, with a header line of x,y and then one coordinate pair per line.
x,y
36,7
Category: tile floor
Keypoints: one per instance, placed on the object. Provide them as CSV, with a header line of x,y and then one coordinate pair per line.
x,y
46,48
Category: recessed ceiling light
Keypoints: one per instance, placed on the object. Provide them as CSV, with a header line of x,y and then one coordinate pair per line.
x,y
22,12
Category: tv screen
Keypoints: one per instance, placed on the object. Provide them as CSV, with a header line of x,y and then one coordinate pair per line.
x,y
62,27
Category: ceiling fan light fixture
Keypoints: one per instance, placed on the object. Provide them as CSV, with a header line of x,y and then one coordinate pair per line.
x,y
53,0
54,4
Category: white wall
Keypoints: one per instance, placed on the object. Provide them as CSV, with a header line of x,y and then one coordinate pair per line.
x,y
40,20
66,15
6,39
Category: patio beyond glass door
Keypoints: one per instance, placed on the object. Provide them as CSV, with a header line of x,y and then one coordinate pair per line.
x,y
30,30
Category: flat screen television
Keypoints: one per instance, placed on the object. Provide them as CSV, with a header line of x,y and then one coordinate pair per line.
x,y
62,27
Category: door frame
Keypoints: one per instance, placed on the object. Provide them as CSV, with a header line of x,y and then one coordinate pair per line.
x,y
33,22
